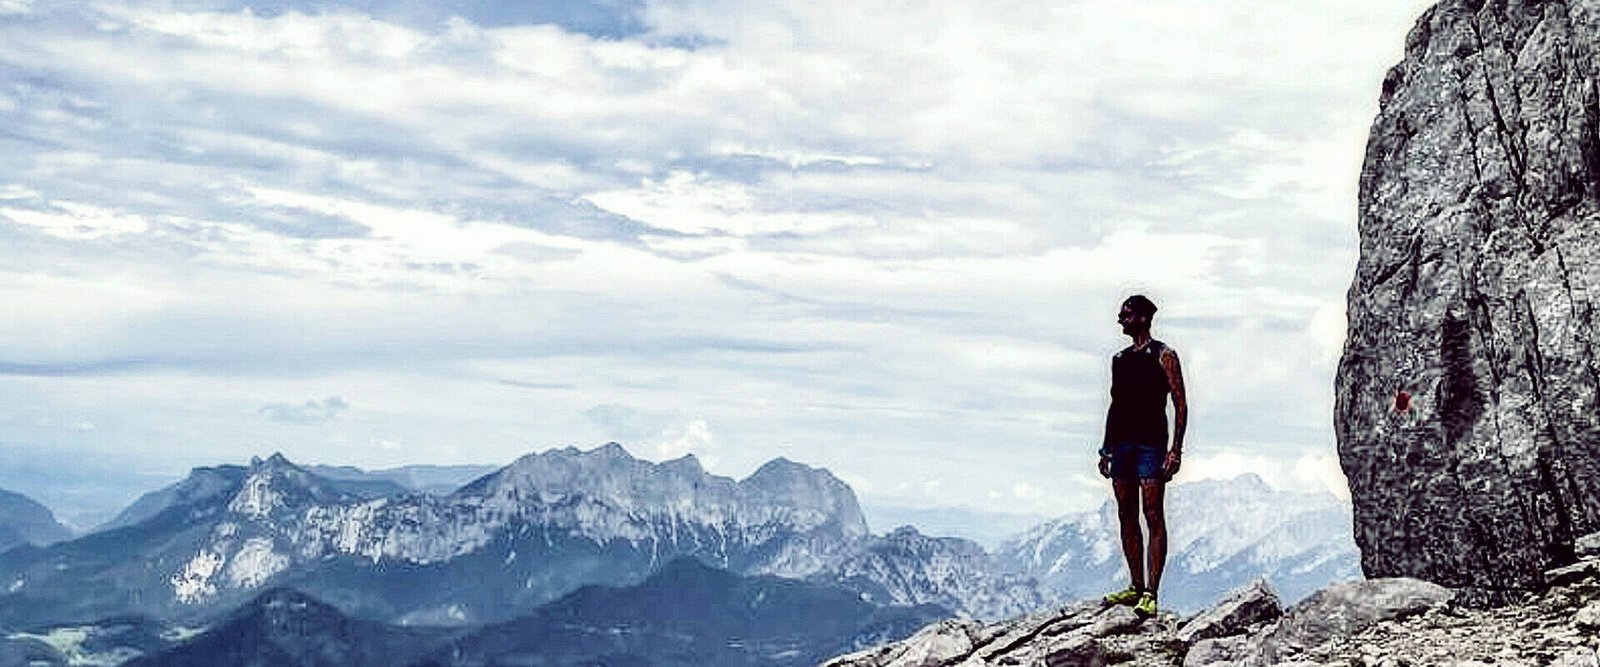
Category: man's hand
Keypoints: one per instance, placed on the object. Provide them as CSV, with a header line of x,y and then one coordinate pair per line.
x,y
1174,460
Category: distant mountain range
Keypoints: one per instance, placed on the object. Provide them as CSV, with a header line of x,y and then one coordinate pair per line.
x,y
1221,534
23,521
503,544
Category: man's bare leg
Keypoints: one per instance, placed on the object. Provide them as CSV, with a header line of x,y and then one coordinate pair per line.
x,y
1127,493
1155,519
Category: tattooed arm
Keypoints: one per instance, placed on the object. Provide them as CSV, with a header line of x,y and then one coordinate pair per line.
x,y
1180,405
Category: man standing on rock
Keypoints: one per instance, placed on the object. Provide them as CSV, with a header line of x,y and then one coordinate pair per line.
x,y
1135,454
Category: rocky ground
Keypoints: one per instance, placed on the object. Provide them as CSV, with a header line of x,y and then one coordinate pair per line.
x,y
1559,627
1371,623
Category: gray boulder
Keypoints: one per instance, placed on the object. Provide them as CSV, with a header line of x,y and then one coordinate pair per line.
x,y
938,644
1587,546
1116,620
1082,633
1588,617
1376,617
1580,570
1342,610
1467,391
1073,651
1216,651
1579,657
1245,607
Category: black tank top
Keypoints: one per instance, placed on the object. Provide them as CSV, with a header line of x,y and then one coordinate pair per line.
x,y
1139,391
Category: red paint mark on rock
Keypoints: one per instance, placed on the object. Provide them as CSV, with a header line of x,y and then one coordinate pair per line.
x,y
1402,402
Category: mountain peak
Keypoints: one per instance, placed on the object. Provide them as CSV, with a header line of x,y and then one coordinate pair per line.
x,y
610,452
277,460
277,483
784,473
685,464
905,532
780,468
787,483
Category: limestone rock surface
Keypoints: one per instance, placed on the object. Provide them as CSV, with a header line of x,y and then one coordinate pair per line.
x,y
1373,623
1250,605
1340,610
1466,397
1215,651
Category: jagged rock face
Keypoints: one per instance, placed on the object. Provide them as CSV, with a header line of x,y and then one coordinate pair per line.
x,y
1248,606
1466,396
537,529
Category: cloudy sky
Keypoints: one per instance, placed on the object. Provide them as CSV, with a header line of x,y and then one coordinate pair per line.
x,y
885,238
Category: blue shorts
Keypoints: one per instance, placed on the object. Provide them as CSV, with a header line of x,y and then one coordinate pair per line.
x,y
1133,460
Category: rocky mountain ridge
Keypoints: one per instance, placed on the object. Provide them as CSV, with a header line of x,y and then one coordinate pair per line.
x,y
25,521
1385,621
545,525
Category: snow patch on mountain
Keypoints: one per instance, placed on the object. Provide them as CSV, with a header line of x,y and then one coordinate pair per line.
x,y
193,584
254,563
257,499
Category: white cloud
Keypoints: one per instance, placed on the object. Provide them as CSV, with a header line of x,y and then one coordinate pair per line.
x,y
15,191
309,412
74,220
1305,473
688,203
692,438
881,237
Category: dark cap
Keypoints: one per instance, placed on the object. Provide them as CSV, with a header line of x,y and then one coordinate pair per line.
x,y
1141,305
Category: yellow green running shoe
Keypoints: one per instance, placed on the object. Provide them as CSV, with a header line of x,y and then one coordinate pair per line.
x,y
1146,606
1127,595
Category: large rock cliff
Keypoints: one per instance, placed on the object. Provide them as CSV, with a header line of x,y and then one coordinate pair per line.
x,y
1467,406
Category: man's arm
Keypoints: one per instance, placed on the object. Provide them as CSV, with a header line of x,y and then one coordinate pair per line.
x,y
1105,438
1105,447
1180,404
